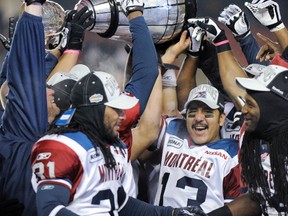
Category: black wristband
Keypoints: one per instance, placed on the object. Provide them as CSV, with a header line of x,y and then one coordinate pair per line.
x,y
223,211
223,47
134,8
28,2
220,37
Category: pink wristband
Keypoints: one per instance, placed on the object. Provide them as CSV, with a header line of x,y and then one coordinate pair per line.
x,y
72,51
221,43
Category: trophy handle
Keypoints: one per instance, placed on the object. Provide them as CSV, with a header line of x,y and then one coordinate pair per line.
x,y
105,15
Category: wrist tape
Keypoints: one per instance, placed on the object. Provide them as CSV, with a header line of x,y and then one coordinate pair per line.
x,y
29,2
221,43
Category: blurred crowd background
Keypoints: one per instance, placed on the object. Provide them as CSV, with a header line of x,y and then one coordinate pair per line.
x,y
110,56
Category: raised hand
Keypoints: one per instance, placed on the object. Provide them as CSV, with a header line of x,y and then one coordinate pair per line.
x,y
267,12
214,33
196,36
268,49
209,25
77,23
235,19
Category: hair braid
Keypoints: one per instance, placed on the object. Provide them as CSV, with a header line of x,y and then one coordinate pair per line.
x,y
90,121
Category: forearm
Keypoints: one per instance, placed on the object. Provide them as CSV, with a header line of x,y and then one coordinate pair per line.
x,y
186,80
26,74
250,49
244,206
241,206
149,121
144,62
66,62
230,69
53,201
50,62
282,38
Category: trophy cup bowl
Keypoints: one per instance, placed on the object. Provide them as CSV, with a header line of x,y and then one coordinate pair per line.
x,y
165,18
53,18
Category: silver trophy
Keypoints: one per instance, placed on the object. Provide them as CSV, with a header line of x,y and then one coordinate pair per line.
x,y
53,19
165,18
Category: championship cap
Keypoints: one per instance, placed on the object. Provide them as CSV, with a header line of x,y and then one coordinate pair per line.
x,y
206,94
273,78
254,69
62,83
100,88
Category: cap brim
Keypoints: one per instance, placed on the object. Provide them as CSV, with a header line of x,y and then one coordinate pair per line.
x,y
123,102
251,84
207,102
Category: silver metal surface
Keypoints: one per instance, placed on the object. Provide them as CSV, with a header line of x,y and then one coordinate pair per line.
x,y
53,18
165,19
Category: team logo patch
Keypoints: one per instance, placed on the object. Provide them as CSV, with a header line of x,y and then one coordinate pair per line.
x,y
175,142
201,94
94,156
96,98
47,187
43,156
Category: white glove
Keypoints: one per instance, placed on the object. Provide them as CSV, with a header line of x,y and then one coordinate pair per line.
x,y
211,28
196,36
267,12
129,6
235,19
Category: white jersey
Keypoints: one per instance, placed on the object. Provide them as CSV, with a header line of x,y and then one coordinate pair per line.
x,y
205,176
230,129
70,160
265,161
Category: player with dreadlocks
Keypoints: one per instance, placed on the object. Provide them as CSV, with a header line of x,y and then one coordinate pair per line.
x,y
81,167
264,102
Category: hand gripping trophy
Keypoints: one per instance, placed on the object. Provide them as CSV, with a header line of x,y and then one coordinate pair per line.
x,y
165,19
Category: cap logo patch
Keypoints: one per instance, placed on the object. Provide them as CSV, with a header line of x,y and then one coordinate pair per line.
x,y
201,94
96,98
277,90
111,86
202,91
269,75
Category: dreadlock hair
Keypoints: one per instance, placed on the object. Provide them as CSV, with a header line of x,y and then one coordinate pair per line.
x,y
90,121
253,173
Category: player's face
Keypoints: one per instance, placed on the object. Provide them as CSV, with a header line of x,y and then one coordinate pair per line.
x,y
52,108
113,118
203,123
251,113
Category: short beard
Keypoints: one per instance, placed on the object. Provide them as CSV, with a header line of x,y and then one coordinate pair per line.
x,y
109,135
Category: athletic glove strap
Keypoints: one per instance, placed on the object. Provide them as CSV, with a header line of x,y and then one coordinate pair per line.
x,y
221,42
29,2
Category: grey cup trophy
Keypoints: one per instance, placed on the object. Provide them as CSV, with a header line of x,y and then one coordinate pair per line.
x,y
53,21
165,18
